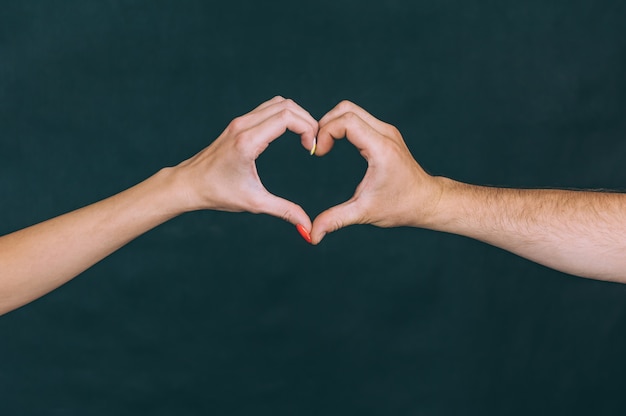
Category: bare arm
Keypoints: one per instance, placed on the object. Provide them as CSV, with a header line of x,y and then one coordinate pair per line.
x,y
581,233
36,260
578,232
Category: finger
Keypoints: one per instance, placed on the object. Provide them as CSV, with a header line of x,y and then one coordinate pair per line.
x,y
335,218
257,138
274,100
349,107
284,209
350,125
291,105
270,108
277,104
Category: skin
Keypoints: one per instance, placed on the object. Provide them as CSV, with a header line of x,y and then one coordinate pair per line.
x,y
40,258
578,232
581,233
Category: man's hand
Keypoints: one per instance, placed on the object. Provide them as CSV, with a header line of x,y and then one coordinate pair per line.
x,y
577,232
395,190
224,175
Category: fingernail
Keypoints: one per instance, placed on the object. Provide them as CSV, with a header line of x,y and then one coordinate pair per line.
x,y
304,233
314,146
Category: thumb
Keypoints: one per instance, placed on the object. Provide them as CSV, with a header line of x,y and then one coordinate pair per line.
x,y
333,219
284,209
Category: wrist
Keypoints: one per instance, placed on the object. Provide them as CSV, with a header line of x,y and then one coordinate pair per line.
x,y
168,191
443,206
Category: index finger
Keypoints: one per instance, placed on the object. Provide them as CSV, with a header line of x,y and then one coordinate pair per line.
x,y
351,126
259,136
346,106
268,109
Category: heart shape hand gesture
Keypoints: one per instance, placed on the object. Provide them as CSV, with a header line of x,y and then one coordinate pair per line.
x,y
395,190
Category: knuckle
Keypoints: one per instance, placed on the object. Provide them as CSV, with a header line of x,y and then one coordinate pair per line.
x,y
286,216
278,98
243,136
345,105
351,119
350,116
285,114
336,225
236,124
393,131
241,141
289,103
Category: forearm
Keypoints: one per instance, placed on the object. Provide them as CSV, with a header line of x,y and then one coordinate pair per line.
x,y
578,232
36,260
223,176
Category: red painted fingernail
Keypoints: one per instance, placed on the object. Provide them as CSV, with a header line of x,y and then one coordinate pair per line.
x,y
304,233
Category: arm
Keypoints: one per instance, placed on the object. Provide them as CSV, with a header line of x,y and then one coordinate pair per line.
x,y
581,233
36,260
577,232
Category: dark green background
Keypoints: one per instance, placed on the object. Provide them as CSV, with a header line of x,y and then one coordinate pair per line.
x,y
233,314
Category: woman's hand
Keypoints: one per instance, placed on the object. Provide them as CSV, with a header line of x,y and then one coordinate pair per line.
x,y
224,175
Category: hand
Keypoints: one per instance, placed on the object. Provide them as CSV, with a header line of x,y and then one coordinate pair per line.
x,y
395,190
224,175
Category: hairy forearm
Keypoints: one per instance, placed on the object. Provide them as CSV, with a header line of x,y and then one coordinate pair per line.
x,y
578,232
36,260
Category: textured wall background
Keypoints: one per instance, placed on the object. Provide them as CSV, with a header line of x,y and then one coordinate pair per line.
x,y
233,314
